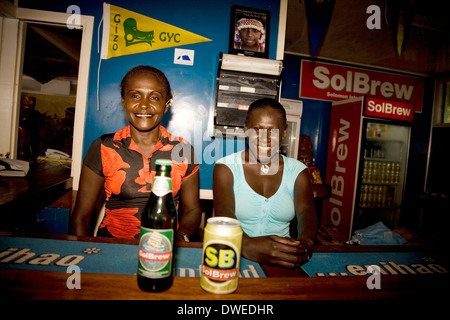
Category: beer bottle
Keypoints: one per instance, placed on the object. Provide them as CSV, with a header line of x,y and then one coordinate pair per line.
x,y
158,227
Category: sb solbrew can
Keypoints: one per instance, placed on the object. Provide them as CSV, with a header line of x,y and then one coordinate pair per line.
x,y
221,255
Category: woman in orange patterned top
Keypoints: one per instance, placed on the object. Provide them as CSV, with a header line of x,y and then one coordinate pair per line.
x,y
121,165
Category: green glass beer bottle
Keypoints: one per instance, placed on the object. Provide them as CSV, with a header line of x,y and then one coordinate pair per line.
x,y
157,238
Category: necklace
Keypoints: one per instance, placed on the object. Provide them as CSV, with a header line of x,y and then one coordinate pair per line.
x,y
264,169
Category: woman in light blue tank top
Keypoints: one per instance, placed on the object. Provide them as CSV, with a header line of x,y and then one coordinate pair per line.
x,y
265,190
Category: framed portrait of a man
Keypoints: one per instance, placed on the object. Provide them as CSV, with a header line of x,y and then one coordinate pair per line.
x,y
249,32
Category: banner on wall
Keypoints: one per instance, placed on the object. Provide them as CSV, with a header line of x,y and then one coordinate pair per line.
x,y
326,81
126,32
318,15
401,16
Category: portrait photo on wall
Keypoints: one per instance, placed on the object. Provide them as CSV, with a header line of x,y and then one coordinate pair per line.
x,y
249,32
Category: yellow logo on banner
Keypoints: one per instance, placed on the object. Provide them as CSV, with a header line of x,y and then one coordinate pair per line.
x,y
127,32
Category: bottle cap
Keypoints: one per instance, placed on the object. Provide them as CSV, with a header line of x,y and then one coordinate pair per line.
x,y
164,162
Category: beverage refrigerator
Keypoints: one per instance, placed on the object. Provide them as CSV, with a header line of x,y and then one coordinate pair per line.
x,y
366,163
294,110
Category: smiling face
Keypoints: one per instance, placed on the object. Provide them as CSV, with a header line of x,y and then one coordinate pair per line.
x,y
266,129
250,37
145,101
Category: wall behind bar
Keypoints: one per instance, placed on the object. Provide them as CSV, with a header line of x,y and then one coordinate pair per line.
x,y
191,110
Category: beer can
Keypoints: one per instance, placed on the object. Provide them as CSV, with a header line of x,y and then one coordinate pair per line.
x,y
221,255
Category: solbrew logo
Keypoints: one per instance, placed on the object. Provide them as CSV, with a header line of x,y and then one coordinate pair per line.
x,y
155,251
154,256
359,83
219,262
338,177
389,109
332,82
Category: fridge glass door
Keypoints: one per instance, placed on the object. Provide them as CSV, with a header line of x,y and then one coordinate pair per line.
x,y
385,156
289,145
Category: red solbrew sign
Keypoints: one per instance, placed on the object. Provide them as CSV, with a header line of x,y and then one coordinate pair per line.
x,y
343,154
389,109
325,81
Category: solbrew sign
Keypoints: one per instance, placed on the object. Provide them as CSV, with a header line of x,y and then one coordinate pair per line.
x,y
325,81
343,153
389,109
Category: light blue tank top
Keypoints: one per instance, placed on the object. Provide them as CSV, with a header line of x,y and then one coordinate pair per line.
x,y
259,215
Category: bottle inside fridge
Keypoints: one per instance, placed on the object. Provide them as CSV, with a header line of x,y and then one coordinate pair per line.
x,y
383,169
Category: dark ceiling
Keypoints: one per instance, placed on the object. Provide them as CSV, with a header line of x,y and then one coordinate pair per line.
x,y
426,47
53,52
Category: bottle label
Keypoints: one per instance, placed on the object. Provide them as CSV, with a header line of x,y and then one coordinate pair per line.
x,y
155,253
162,186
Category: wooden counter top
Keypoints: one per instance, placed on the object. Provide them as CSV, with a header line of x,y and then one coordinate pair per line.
x,y
280,284
51,285
20,198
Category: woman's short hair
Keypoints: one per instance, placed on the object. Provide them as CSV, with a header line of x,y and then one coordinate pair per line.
x,y
267,103
146,69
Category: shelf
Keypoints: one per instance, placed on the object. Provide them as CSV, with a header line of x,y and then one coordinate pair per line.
x,y
396,184
237,100
381,208
247,83
380,139
237,88
380,159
